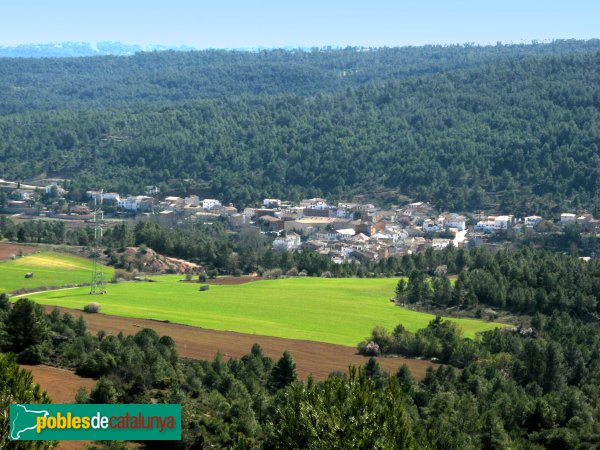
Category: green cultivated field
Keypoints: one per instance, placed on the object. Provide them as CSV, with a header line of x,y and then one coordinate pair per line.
x,y
49,269
339,311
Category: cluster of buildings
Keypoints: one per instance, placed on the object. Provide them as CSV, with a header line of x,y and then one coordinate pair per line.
x,y
356,232
342,231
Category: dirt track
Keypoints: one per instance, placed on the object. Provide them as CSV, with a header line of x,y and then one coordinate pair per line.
x,y
316,358
8,250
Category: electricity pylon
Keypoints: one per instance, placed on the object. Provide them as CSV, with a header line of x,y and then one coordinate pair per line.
x,y
98,282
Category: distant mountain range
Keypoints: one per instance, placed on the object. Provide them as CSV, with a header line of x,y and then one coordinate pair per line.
x,y
75,49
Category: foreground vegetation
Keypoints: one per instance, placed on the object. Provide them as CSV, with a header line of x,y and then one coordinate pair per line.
x,y
49,269
338,311
519,390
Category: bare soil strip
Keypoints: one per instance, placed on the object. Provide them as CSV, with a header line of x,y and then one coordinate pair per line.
x,y
61,385
9,250
316,358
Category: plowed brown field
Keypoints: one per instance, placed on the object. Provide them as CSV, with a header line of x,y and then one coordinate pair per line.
x,y
8,250
316,358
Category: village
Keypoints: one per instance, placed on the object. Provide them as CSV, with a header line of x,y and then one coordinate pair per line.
x,y
343,232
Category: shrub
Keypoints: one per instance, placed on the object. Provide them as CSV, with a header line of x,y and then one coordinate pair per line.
x,y
121,274
293,272
274,273
92,307
327,274
213,273
31,355
302,273
237,273
203,277
369,348
441,270
188,277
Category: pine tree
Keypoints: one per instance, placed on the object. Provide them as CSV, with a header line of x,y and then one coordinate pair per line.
x,y
25,325
284,372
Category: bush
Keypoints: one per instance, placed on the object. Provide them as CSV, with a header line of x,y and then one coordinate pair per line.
x,y
302,273
369,348
237,273
203,277
213,273
293,272
31,355
274,273
92,307
188,277
121,274
327,274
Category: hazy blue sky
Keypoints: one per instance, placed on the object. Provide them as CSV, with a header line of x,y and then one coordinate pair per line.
x,y
247,23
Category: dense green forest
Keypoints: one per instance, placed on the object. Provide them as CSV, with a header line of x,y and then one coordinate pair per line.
x,y
533,386
510,128
170,76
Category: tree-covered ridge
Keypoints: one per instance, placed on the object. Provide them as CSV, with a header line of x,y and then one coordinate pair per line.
x,y
117,81
517,135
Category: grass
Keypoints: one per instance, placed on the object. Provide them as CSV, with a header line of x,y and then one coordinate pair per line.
x,y
338,311
49,269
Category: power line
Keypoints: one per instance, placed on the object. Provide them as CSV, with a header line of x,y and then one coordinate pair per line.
x,y
98,282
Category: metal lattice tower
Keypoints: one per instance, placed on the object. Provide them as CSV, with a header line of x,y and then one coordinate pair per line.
x,y
98,282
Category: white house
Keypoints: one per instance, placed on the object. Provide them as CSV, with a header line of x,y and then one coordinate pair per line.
x,y
439,244
315,203
433,225
568,218
343,213
210,203
135,203
455,221
486,226
173,199
111,196
53,185
495,223
106,196
502,223
271,203
289,242
532,221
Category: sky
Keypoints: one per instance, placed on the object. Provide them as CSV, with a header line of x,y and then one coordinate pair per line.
x,y
306,23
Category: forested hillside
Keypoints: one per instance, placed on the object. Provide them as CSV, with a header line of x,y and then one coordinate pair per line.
x,y
159,77
520,135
